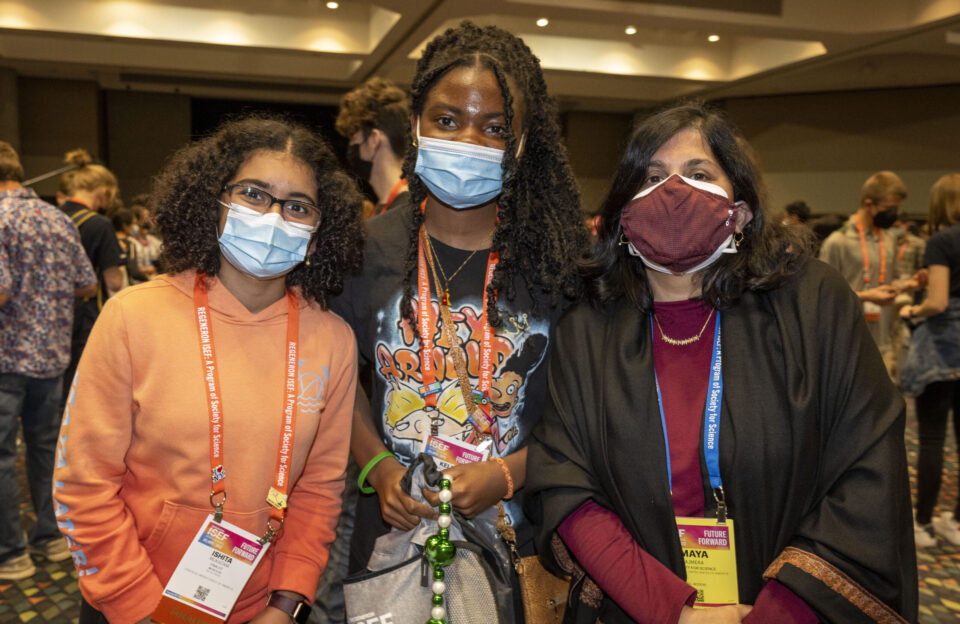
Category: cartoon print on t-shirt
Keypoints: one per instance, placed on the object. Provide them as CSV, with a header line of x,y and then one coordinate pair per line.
x,y
508,386
518,349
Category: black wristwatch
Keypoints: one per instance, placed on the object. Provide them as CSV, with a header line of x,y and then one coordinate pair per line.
x,y
298,610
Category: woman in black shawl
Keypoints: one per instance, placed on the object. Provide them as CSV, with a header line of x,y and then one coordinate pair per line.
x,y
799,441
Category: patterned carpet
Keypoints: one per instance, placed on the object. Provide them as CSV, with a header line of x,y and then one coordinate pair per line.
x,y
52,594
938,568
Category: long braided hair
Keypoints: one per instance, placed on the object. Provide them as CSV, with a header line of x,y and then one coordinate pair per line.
x,y
540,232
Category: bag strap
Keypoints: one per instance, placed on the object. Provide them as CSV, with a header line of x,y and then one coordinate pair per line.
x,y
509,535
82,216
79,218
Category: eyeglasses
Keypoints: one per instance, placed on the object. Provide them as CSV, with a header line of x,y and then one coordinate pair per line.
x,y
295,210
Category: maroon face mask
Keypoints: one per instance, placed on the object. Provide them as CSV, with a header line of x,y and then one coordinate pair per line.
x,y
680,225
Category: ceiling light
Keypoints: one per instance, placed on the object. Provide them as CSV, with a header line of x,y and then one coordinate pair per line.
x,y
713,38
333,5
542,22
630,30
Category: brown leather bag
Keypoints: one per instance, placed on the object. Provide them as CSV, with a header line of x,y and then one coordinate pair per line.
x,y
544,593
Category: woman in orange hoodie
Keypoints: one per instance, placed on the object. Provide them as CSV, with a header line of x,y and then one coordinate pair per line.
x,y
210,413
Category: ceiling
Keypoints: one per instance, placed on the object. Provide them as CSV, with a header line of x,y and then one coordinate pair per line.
x,y
302,51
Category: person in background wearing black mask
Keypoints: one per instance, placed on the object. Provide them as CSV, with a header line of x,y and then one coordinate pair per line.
x,y
865,253
376,118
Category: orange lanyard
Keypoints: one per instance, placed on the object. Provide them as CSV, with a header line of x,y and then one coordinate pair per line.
x,y
866,257
277,496
903,248
398,188
427,324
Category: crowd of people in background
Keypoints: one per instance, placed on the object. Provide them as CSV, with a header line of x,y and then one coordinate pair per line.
x,y
465,303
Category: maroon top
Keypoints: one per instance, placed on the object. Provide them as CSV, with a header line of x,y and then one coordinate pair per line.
x,y
643,587
682,373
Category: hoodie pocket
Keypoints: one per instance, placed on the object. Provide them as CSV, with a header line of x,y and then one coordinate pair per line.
x,y
175,528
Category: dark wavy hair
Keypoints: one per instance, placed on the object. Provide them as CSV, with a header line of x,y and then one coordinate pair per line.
x,y
540,231
768,254
185,195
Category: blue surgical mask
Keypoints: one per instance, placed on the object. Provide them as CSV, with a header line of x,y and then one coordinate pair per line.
x,y
263,244
461,175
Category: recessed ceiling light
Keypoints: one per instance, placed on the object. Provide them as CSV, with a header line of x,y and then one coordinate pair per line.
x,y
542,22
333,5
630,30
713,38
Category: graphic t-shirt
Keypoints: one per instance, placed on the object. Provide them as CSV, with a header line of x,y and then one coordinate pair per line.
x,y
389,348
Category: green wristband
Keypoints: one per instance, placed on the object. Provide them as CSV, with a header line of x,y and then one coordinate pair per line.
x,y
366,489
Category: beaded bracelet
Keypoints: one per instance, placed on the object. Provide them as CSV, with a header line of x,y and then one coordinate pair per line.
x,y
506,473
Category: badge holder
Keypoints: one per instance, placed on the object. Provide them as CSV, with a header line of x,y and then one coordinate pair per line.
x,y
709,554
211,574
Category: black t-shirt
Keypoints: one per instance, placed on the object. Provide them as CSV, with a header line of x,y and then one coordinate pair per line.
x,y
389,347
99,240
943,248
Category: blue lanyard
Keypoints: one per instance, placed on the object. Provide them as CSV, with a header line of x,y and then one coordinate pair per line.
x,y
711,422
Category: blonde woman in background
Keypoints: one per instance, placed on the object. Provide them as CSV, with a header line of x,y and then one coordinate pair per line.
x,y
932,371
88,190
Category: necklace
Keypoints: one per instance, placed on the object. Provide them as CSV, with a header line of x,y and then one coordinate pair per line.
x,y
682,341
445,297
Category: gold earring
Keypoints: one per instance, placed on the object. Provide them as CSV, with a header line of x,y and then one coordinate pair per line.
x,y
623,241
738,239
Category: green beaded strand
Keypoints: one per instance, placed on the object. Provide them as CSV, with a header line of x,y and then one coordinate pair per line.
x,y
440,552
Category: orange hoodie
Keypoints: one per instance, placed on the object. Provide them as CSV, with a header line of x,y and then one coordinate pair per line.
x,y
132,478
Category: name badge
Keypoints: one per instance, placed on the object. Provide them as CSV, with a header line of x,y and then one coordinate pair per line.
x,y
211,574
871,312
447,452
710,556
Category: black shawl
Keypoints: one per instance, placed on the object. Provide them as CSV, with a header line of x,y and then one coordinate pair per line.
x,y
811,447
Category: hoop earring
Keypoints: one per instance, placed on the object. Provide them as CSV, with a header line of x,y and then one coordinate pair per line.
x,y
738,239
623,241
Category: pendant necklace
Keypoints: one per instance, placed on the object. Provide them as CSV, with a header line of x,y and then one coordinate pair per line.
x,y
679,342
445,296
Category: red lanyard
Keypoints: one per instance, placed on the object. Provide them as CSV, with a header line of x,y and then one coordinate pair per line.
x,y
277,496
427,324
866,257
398,188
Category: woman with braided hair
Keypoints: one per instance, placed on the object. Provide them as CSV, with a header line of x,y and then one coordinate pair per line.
x,y
482,259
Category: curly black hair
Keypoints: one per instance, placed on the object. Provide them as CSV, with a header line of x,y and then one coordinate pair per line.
x,y
185,202
540,231
769,253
